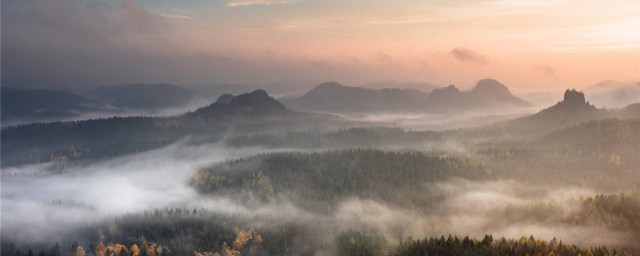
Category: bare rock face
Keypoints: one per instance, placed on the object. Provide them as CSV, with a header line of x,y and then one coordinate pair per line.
x,y
573,97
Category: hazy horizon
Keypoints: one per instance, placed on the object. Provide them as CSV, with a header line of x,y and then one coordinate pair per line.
x,y
531,47
309,127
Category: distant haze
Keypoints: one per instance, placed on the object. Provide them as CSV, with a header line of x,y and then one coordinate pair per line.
x,y
75,43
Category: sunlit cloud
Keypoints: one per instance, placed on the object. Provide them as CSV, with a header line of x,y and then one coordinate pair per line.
x,y
467,56
237,3
170,40
544,69
175,16
178,10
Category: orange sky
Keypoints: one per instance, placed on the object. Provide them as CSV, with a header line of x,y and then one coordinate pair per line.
x,y
528,45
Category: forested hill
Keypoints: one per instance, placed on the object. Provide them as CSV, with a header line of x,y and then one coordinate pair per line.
x,y
599,135
28,104
488,94
90,139
255,104
572,110
317,181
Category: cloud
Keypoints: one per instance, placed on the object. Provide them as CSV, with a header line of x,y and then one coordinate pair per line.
x,y
178,10
237,3
383,57
176,16
139,17
38,206
46,207
175,13
467,56
544,69
95,20
49,43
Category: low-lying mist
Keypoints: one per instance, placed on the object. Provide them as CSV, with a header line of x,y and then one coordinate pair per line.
x,y
477,208
41,207
107,112
36,204
436,121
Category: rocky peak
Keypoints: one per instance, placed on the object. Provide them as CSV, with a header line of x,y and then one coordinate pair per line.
x,y
491,86
225,99
256,103
574,97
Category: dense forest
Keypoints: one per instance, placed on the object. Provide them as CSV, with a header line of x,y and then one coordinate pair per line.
x,y
342,138
319,128
348,188
104,138
201,233
488,246
320,180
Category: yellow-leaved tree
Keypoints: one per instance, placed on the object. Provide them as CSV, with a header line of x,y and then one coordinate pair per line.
x,y
79,251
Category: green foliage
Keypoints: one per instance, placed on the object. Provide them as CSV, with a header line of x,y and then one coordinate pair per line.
x,y
598,135
320,180
352,243
91,139
618,212
615,212
343,138
454,246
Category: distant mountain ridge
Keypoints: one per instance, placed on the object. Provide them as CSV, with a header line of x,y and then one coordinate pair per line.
x,y
95,138
43,105
420,86
141,96
37,104
493,92
334,97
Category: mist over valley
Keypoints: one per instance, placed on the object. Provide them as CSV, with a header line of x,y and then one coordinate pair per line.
x,y
305,127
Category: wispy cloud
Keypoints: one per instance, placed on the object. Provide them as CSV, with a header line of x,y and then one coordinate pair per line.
x,y
237,3
544,69
410,21
467,56
175,16
177,10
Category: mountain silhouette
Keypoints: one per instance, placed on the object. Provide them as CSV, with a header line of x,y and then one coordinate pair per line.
x,y
335,97
30,104
254,104
572,107
488,94
492,92
249,112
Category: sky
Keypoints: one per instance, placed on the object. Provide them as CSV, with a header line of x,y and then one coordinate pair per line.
x,y
528,45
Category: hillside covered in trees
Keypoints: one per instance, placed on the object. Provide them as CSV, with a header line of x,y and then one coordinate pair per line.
x,y
248,176
319,180
105,138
